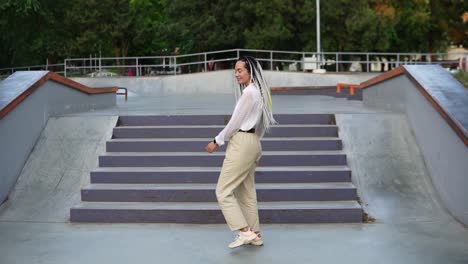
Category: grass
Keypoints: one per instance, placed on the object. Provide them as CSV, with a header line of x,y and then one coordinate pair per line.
x,y
462,77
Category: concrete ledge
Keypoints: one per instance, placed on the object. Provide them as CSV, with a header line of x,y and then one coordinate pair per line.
x,y
20,85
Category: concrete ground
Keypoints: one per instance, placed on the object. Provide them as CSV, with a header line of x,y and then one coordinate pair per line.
x,y
387,167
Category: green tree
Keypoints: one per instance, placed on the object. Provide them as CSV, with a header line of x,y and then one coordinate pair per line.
x,y
353,25
446,24
151,34
31,31
412,24
100,27
198,26
272,26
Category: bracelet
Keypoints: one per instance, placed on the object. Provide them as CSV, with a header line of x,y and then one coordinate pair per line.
x,y
214,141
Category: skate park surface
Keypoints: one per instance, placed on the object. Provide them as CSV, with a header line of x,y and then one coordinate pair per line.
x,y
411,225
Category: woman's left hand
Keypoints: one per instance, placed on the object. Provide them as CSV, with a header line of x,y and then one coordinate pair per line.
x,y
211,147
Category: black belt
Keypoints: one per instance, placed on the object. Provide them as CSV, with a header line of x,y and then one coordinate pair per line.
x,y
252,130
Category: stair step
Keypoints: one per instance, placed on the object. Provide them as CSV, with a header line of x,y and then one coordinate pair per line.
x,y
206,192
209,213
203,159
220,119
196,144
144,175
195,131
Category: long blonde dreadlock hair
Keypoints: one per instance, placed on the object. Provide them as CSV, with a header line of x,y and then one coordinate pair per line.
x,y
256,74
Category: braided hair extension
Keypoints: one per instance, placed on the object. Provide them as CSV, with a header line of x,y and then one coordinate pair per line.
x,y
256,77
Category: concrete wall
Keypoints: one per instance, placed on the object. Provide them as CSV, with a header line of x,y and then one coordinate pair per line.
x,y
20,129
62,100
221,82
444,152
277,78
389,95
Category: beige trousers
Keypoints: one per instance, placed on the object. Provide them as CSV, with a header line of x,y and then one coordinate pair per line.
x,y
235,190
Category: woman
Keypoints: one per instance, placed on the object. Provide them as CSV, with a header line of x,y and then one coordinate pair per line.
x,y
252,117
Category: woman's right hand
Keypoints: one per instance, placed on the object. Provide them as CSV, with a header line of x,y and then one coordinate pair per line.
x,y
211,147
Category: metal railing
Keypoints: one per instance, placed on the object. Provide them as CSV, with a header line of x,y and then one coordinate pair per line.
x,y
225,59
57,68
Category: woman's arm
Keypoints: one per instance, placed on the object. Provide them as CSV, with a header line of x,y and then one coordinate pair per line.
x,y
243,107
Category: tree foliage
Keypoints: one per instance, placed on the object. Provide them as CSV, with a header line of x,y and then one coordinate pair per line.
x,y
32,31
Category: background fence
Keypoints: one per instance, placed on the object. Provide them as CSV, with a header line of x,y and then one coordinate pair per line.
x,y
225,59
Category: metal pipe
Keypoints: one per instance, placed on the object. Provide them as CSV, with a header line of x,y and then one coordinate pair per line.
x,y
367,61
137,68
337,62
206,69
318,25
271,60
65,68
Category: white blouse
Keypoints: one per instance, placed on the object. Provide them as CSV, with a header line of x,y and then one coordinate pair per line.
x,y
247,114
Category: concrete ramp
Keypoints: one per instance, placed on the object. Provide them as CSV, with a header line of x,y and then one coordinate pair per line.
x,y
388,168
436,107
57,168
27,100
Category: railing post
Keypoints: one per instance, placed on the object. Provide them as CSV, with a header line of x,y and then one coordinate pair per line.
x,y
398,60
238,53
137,68
336,62
65,68
303,61
175,65
367,59
271,60
206,69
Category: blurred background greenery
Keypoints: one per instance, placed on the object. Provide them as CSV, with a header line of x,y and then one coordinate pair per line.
x,y
32,31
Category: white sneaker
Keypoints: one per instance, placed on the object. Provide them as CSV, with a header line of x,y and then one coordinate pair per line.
x,y
243,238
258,241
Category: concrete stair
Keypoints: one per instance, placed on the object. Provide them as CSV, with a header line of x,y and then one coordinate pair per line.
x,y
193,159
195,144
162,175
205,130
202,192
209,213
155,170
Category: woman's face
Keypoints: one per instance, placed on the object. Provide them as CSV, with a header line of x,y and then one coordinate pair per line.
x,y
242,74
